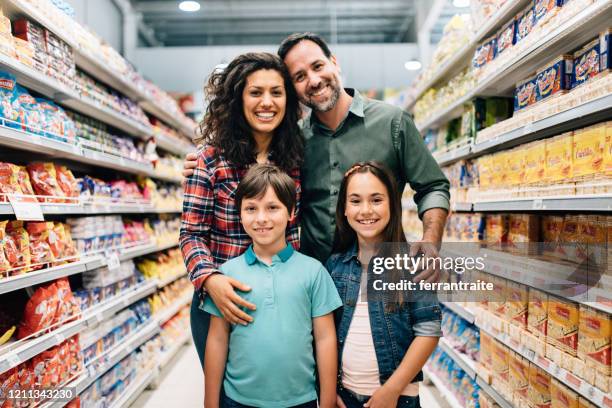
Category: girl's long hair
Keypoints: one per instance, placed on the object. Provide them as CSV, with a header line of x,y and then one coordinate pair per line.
x,y
225,127
344,236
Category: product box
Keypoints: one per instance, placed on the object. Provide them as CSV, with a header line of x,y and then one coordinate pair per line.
x,y
586,63
608,151
588,151
485,53
559,153
500,363
485,170
525,21
516,304
562,329
605,43
551,229
584,403
525,94
497,302
506,37
545,9
535,162
515,175
518,375
537,313
555,78
539,387
497,229
561,396
486,345
594,333
524,229
499,166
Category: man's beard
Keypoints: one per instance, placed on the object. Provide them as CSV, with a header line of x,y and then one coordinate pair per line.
x,y
327,105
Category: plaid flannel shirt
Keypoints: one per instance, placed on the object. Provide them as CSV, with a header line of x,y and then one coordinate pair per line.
x,y
211,232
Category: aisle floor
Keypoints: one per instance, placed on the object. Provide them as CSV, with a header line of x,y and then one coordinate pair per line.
x,y
181,385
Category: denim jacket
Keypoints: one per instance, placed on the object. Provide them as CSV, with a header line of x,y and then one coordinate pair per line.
x,y
391,326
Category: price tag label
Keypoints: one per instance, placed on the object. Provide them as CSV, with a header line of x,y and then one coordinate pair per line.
x,y
537,204
528,128
113,261
59,337
13,359
26,208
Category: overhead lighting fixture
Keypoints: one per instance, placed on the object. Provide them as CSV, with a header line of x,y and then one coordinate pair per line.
x,y
413,65
461,3
189,6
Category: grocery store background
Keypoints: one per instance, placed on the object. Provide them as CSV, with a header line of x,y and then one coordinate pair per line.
x,y
99,102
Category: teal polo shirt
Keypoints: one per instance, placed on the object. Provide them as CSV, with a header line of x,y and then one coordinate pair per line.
x,y
270,362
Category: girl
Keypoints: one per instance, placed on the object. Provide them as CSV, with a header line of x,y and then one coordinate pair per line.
x,y
383,341
252,117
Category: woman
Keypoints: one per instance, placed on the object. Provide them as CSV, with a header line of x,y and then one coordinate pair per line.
x,y
251,118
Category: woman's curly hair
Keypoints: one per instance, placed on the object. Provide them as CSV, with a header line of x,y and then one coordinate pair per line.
x,y
225,127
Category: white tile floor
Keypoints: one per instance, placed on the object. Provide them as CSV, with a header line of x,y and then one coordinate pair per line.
x,y
181,385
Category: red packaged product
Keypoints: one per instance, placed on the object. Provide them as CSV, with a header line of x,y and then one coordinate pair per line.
x,y
69,249
9,181
68,306
75,403
66,181
27,379
24,181
7,250
39,312
21,239
44,180
47,367
76,357
41,243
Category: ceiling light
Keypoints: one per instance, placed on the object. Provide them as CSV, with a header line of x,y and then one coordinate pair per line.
x,y
413,65
461,3
189,6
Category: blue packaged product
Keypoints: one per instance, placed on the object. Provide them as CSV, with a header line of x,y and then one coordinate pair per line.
x,y
506,37
10,108
485,53
545,9
605,42
32,117
525,94
52,123
586,63
555,78
525,21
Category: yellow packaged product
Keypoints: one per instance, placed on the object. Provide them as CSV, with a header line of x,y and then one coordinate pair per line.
x,y
497,303
516,304
594,333
562,330
539,387
561,396
515,173
518,375
559,158
552,227
570,238
588,151
535,162
608,150
496,229
486,344
499,167
584,403
523,229
5,24
537,313
499,357
485,171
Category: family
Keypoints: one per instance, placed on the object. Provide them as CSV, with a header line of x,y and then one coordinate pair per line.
x,y
280,220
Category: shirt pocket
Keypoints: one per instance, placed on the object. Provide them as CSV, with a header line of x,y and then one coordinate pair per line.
x,y
225,199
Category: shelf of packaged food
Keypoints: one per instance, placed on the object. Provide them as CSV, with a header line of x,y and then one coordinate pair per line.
x,y
135,388
29,279
19,353
174,145
461,207
167,210
465,313
448,395
167,245
570,34
167,356
167,117
466,363
562,203
167,313
168,280
584,389
178,179
87,209
501,401
453,155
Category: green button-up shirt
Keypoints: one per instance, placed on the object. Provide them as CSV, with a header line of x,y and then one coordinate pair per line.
x,y
372,130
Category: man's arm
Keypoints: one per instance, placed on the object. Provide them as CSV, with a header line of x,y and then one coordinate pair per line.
x,y
215,360
327,358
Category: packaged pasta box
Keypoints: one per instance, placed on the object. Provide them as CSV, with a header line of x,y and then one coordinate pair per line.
x,y
497,229
515,175
605,42
525,21
499,357
486,344
485,53
525,94
535,162
561,396
551,229
484,169
570,239
497,302
506,37
586,63
588,150
584,403
562,330
523,233
516,304
539,387
608,150
559,153
537,313
594,333
554,78
518,369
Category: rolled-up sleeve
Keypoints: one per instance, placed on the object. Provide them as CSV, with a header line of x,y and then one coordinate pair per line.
x,y
420,169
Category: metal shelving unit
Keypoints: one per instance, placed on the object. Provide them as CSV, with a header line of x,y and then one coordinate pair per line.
x,y
570,203
173,309
466,363
446,393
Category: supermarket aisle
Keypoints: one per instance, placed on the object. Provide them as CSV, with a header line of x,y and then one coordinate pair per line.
x,y
180,384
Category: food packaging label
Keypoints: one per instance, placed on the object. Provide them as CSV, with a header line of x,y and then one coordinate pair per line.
x,y
525,94
586,63
555,77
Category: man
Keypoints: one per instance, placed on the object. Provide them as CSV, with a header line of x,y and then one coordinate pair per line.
x,y
344,128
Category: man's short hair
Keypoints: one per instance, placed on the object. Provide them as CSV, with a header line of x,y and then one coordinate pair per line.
x,y
261,176
296,38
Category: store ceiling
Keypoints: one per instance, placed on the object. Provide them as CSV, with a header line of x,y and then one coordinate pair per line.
x,y
249,22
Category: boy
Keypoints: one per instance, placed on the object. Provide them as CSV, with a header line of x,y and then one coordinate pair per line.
x,y
270,362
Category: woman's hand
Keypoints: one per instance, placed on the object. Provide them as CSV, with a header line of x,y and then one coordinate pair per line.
x,y
191,162
384,397
221,289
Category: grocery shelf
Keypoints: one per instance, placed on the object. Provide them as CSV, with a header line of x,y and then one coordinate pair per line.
x,y
168,312
87,209
44,275
166,281
165,116
167,356
501,401
568,203
136,387
570,34
465,313
110,161
174,145
461,207
453,155
466,363
446,393
584,389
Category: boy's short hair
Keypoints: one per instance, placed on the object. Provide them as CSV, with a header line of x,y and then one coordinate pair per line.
x,y
259,178
296,38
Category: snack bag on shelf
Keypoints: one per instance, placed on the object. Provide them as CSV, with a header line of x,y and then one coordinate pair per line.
x,y
47,368
39,312
68,306
605,43
554,78
24,181
586,63
562,329
44,180
41,242
525,22
506,37
9,180
561,396
18,234
32,118
52,123
552,228
66,181
588,151
8,250
539,387
525,94
594,333
484,53
537,313
10,108
559,153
